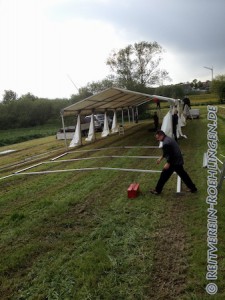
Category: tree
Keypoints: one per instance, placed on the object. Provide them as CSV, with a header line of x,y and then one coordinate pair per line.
x,y
194,84
218,86
172,91
28,97
9,96
137,66
99,86
93,88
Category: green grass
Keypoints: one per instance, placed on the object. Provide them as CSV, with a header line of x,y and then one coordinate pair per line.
x,y
12,136
77,235
204,99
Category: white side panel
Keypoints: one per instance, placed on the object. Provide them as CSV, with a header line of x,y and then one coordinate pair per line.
x,y
114,124
105,131
76,141
91,132
179,131
167,124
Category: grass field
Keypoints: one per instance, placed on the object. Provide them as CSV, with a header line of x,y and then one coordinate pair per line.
x,y
76,235
12,136
204,99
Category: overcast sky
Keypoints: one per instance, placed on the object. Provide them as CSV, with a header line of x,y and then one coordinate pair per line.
x,y
46,43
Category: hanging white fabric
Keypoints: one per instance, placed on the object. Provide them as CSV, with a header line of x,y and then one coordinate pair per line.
x,y
114,123
167,124
186,111
179,131
180,114
181,121
91,132
105,131
76,141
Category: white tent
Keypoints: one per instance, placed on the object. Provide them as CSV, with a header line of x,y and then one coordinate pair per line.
x,y
112,99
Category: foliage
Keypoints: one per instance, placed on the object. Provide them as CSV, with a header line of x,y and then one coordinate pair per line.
x,y
172,91
198,85
29,110
99,86
137,66
9,96
218,87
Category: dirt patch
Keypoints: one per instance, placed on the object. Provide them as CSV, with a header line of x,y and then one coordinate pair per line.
x,y
171,253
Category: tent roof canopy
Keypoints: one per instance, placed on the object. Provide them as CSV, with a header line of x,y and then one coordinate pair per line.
x,y
111,99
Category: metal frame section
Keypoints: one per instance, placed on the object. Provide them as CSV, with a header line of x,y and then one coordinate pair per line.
x,y
205,160
7,176
107,148
221,177
87,169
178,184
100,157
110,99
56,160
60,156
21,172
28,168
119,147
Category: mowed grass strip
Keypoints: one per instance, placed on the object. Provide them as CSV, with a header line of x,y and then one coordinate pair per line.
x,y
77,235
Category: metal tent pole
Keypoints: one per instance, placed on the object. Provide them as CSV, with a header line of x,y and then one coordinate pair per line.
x,y
128,112
64,131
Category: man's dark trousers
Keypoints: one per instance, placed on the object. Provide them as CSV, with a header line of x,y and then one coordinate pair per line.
x,y
165,175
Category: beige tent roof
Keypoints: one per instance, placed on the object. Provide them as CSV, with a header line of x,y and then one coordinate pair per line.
x,y
111,99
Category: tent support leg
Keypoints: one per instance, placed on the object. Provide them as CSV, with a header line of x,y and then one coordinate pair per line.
x,y
128,112
64,132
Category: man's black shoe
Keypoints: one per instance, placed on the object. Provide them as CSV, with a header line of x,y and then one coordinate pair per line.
x,y
154,192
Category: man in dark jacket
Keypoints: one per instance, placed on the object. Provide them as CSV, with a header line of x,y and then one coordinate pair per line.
x,y
174,163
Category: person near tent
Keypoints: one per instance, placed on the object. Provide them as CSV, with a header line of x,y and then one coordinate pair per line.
x,y
175,123
174,163
156,100
186,101
158,104
136,117
156,121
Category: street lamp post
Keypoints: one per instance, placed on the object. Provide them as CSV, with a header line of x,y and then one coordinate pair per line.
x,y
211,69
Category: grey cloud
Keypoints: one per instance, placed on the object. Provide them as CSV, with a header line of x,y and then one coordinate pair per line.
x,y
193,29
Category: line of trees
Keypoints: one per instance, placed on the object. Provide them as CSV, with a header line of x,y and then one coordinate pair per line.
x,y
28,110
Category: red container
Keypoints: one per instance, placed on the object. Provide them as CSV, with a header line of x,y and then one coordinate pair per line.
x,y
133,190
